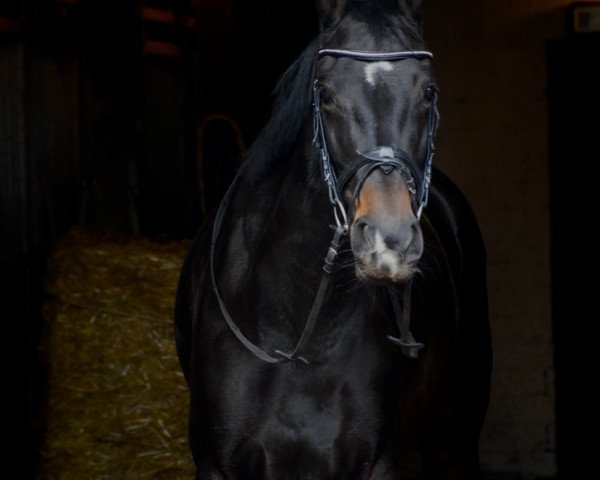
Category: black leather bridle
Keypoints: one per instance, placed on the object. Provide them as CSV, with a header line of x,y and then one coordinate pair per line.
x,y
384,157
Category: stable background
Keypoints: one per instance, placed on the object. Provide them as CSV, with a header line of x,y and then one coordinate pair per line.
x,y
129,115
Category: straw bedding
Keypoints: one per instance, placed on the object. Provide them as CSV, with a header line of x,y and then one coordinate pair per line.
x,y
117,402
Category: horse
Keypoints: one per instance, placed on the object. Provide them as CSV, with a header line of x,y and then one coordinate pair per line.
x,y
331,317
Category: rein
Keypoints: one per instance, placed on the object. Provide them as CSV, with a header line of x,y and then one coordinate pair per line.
x,y
385,157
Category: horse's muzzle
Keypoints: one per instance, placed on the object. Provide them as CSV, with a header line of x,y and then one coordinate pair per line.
x,y
386,237
386,251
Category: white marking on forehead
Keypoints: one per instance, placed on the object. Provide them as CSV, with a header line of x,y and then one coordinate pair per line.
x,y
372,68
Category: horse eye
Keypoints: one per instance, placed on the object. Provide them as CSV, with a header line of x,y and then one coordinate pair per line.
x,y
325,96
430,92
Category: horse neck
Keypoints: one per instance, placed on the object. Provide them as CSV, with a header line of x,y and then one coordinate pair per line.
x,y
273,212
277,237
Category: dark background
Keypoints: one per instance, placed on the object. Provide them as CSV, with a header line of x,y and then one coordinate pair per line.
x,y
130,115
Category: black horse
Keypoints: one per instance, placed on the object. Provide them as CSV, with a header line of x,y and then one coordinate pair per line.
x,y
375,362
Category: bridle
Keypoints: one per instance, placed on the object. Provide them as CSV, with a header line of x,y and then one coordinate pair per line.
x,y
384,157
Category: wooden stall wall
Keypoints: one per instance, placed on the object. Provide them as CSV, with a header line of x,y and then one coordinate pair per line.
x,y
104,92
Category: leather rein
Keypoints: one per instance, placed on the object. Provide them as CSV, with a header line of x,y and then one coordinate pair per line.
x,y
385,157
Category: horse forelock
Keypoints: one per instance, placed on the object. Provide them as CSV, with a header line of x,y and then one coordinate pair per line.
x,y
381,20
386,21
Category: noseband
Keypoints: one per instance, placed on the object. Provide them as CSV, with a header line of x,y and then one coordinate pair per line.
x,y
385,157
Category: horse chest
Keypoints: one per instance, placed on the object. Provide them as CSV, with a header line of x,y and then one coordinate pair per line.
x,y
319,421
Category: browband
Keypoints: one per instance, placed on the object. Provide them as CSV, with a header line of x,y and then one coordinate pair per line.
x,y
374,56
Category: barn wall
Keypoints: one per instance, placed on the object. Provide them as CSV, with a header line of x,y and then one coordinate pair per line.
x,y
491,67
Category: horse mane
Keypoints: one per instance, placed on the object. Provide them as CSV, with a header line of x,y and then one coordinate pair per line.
x,y
291,109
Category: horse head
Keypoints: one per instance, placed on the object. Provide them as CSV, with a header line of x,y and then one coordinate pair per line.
x,y
375,114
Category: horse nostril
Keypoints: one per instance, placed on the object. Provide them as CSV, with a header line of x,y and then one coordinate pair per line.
x,y
361,224
365,231
415,248
385,240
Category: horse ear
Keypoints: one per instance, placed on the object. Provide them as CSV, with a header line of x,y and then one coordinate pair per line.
x,y
330,12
